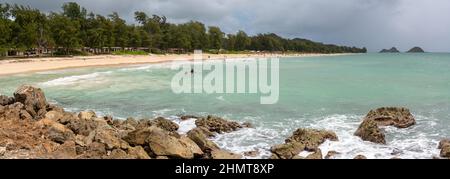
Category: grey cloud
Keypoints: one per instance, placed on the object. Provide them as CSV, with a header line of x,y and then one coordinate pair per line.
x,y
375,24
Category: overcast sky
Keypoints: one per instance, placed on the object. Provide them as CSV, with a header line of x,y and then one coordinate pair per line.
x,y
375,24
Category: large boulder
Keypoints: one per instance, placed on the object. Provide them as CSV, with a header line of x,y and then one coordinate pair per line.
x,y
163,144
81,126
87,115
138,137
368,130
67,150
191,145
311,138
392,116
109,137
94,150
444,145
5,100
33,99
217,124
165,124
287,150
54,115
14,111
200,136
186,117
56,132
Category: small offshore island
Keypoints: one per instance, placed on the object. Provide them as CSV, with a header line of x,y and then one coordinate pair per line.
x,y
30,127
395,50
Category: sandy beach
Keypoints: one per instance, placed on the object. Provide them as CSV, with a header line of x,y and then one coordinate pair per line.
x,y
17,66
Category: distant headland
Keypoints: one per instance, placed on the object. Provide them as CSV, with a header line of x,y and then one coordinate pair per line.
x,y
395,50
392,50
416,50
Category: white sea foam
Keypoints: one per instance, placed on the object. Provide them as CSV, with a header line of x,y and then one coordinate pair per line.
x,y
408,143
248,139
71,80
185,125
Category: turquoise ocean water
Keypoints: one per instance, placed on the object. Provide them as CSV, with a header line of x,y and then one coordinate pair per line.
x,y
332,92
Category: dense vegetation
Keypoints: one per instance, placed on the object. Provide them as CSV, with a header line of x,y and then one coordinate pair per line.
x,y
23,28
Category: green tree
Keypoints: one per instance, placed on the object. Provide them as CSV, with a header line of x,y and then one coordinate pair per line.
x,y
242,41
5,28
197,35
29,27
216,37
64,32
119,30
74,11
77,14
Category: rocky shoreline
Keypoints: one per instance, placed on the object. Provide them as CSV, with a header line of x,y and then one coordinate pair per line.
x,y
30,127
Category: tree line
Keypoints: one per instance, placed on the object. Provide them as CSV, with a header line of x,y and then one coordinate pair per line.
x,y
24,27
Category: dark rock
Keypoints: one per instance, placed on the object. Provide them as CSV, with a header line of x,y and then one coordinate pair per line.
x,y
191,145
392,116
81,126
163,144
87,115
217,124
369,131
144,123
444,145
109,119
200,136
186,117
52,107
14,111
66,151
95,150
311,138
138,137
53,115
287,150
165,124
5,100
56,131
33,99
109,137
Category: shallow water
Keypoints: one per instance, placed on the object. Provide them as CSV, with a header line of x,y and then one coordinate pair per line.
x,y
316,92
